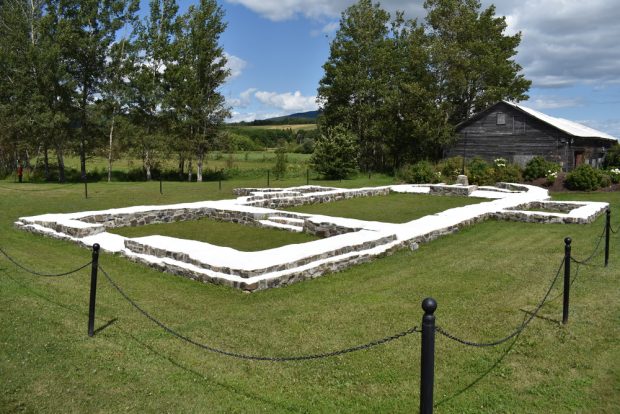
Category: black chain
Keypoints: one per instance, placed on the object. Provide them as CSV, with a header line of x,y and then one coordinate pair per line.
x,y
516,331
256,357
42,274
598,244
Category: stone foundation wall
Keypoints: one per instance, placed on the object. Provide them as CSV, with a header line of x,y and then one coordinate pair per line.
x,y
326,229
172,215
316,198
452,190
137,247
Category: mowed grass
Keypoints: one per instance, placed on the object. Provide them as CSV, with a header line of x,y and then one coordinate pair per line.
x,y
237,236
393,208
485,279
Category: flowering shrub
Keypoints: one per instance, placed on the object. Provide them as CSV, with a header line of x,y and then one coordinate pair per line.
x,y
551,176
500,162
614,175
538,167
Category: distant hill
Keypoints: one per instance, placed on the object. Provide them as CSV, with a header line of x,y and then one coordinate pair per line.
x,y
309,117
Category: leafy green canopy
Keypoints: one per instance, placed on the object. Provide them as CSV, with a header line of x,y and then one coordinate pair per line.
x,y
400,86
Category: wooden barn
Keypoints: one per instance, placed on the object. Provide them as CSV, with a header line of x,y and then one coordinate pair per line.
x,y
518,134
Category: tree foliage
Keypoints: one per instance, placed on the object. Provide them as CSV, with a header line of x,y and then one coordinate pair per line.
x,y
75,73
335,153
401,86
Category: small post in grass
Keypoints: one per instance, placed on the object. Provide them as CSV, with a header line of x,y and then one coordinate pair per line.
x,y
607,229
93,290
268,183
85,187
161,186
307,176
427,358
567,249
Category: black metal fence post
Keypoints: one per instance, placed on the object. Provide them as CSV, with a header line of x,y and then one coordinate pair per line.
x,y
607,229
567,248
161,186
427,358
85,187
93,290
268,182
307,176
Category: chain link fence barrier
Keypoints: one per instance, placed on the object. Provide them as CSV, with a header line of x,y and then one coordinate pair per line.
x,y
237,355
16,263
516,332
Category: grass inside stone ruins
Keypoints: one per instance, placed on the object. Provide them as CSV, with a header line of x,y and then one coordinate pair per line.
x,y
237,236
485,278
393,208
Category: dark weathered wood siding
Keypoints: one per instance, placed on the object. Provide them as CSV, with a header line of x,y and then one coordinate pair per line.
x,y
522,137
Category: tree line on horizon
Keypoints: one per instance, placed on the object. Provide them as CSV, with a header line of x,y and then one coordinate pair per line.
x,y
77,75
91,77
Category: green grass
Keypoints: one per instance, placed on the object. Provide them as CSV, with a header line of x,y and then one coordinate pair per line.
x,y
237,236
484,278
393,208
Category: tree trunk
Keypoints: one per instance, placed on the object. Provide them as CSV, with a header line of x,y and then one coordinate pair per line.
x,y
181,167
189,170
61,165
46,163
201,155
147,165
110,150
83,160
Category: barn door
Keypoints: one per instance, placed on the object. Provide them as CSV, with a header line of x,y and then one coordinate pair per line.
x,y
579,158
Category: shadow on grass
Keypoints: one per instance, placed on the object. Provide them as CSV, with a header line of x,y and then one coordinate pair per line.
x,y
482,376
39,295
203,377
106,325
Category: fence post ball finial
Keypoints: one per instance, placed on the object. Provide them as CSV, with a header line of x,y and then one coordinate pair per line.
x,y
96,247
429,305
568,240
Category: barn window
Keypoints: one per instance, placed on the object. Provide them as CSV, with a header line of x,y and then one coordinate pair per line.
x,y
501,118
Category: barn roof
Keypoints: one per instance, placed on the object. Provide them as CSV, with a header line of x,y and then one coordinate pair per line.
x,y
569,127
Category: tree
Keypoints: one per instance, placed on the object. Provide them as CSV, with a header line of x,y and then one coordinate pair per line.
x,y
356,81
281,160
88,28
472,58
335,153
198,108
155,35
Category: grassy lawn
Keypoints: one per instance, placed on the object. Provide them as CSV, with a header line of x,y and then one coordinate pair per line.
x,y
394,208
484,278
237,236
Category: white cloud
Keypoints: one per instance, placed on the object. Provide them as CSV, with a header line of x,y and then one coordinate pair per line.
x,y
552,102
290,102
251,116
565,42
327,29
235,64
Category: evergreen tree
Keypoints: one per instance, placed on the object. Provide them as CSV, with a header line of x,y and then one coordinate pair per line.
x,y
335,153
472,58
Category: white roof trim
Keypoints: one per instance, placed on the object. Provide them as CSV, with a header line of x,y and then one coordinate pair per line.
x,y
570,127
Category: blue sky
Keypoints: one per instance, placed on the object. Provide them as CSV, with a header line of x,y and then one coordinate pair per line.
x,y
570,50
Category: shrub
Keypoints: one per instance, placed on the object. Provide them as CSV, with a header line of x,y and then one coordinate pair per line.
x,y
614,175
538,167
422,172
480,173
451,168
281,160
335,153
584,178
612,157
504,172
